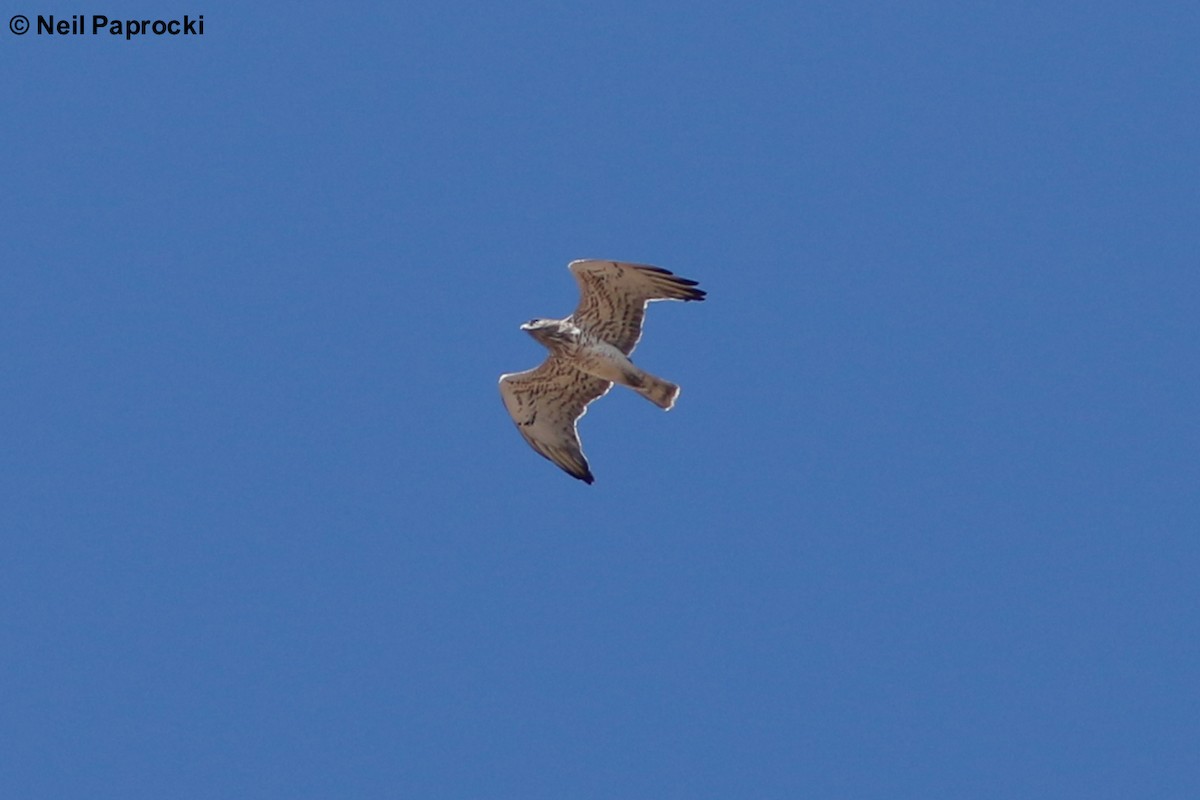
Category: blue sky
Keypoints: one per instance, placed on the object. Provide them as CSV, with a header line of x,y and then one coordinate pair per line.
x,y
923,523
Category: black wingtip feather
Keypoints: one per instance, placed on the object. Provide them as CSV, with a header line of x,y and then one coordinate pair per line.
x,y
684,285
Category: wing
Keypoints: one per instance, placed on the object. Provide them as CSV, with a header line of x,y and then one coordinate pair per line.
x,y
614,294
546,403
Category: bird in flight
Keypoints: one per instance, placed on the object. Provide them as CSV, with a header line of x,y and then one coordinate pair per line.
x,y
589,352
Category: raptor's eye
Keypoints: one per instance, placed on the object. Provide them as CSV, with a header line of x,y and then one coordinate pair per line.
x,y
532,322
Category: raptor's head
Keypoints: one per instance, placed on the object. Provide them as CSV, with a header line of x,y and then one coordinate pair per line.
x,y
545,330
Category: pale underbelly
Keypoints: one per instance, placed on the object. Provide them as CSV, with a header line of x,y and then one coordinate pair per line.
x,y
610,366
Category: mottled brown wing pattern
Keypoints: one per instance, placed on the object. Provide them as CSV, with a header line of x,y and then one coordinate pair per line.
x,y
614,294
546,403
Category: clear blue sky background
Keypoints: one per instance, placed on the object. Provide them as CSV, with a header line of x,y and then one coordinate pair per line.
x,y
923,524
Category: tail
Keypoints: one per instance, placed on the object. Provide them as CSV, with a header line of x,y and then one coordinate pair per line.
x,y
656,390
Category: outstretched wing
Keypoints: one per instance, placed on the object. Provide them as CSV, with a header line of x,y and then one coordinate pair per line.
x,y
614,294
546,403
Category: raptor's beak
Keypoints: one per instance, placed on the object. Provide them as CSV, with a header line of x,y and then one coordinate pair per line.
x,y
525,326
